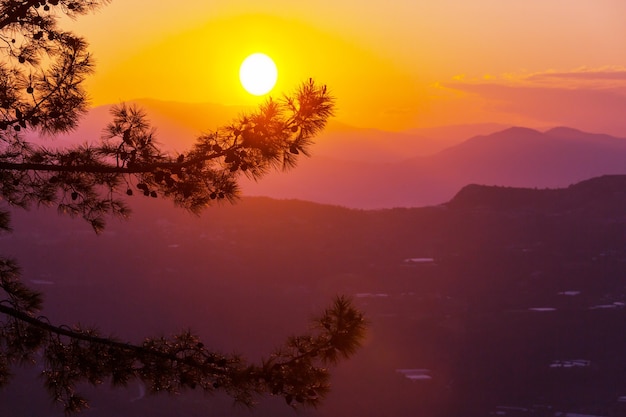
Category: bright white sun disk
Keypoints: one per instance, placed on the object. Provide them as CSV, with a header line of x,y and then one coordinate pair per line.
x,y
258,74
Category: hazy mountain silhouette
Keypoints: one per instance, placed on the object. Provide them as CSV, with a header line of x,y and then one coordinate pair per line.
x,y
179,123
348,143
526,157
516,156
460,131
369,168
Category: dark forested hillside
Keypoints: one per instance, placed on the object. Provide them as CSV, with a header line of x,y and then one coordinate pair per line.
x,y
499,301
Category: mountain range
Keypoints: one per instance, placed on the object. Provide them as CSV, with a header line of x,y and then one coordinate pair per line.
x,y
519,157
369,168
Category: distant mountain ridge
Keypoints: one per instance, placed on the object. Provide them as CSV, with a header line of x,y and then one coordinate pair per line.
x,y
369,168
607,190
178,124
518,157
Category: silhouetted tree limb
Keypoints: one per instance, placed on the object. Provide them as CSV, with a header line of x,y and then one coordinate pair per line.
x,y
88,180
72,355
42,69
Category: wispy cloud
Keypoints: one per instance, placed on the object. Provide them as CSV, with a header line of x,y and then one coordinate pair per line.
x,y
598,78
581,77
592,99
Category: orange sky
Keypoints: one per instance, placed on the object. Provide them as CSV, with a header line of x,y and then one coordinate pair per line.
x,y
392,64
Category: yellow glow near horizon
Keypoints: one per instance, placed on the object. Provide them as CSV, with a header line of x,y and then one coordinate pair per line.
x,y
258,74
185,67
378,61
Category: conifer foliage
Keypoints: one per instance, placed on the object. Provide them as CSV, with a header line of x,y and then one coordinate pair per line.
x,y
42,69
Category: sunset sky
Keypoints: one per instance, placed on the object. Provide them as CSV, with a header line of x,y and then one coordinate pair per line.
x,y
392,65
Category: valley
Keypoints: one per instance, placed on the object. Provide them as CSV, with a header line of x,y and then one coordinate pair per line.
x,y
502,297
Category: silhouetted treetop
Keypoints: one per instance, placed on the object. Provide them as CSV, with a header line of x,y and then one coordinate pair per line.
x,y
92,180
42,69
41,91
42,66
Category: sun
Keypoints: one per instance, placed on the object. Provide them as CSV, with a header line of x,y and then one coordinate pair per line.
x,y
258,74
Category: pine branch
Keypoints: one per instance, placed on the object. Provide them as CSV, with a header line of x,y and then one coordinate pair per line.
x,y
182,362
